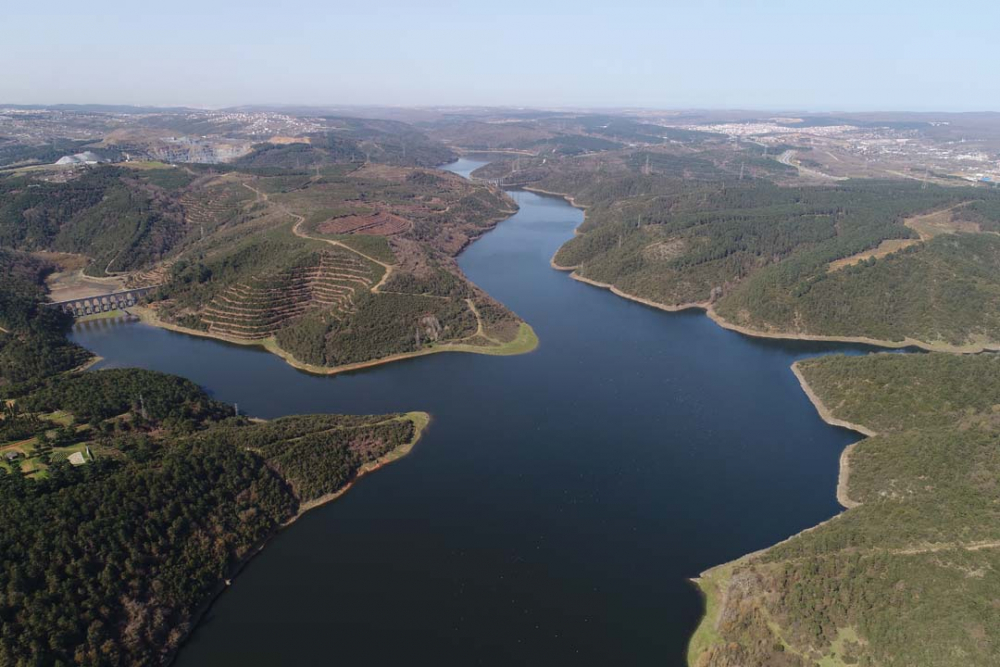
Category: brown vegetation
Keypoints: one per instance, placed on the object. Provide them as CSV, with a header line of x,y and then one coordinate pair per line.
x,y
379,223
884,248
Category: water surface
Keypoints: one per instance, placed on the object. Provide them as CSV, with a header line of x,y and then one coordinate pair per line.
x,y
559,501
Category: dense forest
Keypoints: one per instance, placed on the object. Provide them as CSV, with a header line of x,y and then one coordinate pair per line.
x,y
793,259
32,337
904,578
108,562
115,216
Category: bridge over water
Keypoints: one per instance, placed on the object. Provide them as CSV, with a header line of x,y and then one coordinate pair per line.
x,y
102,303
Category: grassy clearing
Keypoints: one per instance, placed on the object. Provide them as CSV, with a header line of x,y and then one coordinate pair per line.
x,y
60,417
835,658
142,165
420,421
711,584
525,341
884,248
936,223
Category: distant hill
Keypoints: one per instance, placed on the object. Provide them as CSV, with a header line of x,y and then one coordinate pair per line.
x,y
354,140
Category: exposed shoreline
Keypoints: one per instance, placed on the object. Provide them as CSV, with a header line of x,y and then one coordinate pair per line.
x,y
757,333
420,422
708,582
826,415
778,335
526,341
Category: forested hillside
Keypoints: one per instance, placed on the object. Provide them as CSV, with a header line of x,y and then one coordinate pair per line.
x,y
107,561
325,249
844,260
908,576
354,140
117,217
340,265
32,337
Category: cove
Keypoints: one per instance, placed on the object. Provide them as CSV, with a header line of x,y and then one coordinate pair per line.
x,y
559,501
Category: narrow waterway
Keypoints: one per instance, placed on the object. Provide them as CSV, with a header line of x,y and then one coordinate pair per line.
x,y
559,501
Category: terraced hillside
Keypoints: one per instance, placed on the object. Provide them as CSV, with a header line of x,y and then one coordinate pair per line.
x,y
339,266
337,263
218,202
258,307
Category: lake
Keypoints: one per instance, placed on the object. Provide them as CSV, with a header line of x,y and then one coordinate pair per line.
x,y
560,500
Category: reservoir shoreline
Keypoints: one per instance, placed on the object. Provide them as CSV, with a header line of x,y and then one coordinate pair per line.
x,y
421,420
526,341
707,583
607,430
713,315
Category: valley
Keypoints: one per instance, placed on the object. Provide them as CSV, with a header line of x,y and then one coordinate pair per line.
x,y
342,250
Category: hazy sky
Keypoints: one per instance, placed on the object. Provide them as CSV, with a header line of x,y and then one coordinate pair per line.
x,y
807,55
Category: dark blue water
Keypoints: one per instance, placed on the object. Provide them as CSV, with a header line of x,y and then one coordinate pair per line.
x,y
559,501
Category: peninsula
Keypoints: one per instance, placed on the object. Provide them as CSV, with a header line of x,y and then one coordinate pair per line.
x,y
326,251
135,494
